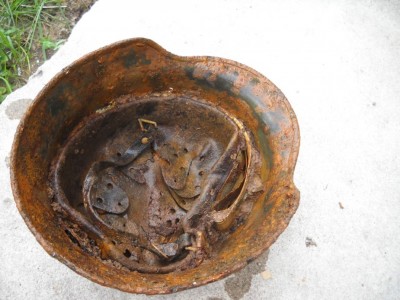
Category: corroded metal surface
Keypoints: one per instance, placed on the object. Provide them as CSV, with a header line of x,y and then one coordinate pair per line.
x,y
153,173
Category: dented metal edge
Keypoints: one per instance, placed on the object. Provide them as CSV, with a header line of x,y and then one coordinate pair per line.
x,y
146,42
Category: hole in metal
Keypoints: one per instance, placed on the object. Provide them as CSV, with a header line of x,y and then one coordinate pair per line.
x,y
127,253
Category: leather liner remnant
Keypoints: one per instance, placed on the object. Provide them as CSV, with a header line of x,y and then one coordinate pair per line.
x,y
156,184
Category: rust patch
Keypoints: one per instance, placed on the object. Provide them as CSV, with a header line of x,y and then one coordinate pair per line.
x,y
161,191
153,173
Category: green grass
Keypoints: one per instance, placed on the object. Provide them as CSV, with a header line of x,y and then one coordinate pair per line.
x,y
24,27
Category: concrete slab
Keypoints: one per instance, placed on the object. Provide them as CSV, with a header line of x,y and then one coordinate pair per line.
x,y
338,63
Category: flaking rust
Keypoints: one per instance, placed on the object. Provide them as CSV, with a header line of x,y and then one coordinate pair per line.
x,y
153,173
162,190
